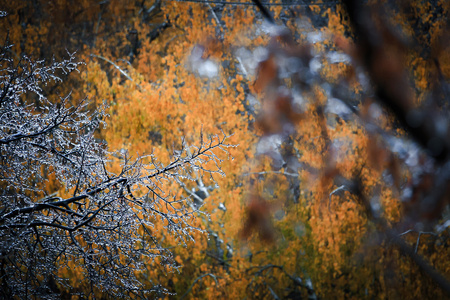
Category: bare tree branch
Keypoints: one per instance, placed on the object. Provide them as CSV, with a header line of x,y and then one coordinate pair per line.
x,y
97,227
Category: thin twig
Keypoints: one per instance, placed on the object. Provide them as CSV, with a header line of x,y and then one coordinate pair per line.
x,y
112,63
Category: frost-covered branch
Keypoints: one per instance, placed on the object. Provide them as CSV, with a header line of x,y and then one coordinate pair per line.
x,y
61,206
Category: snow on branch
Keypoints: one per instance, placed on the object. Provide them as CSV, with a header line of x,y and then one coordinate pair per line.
x,y
100,221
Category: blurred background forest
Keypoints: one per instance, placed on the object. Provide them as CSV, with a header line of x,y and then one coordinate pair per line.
x,y
338,188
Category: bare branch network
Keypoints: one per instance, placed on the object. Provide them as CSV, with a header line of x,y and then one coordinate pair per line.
x,y
97,220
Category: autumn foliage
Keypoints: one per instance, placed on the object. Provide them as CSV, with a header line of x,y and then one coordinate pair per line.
x,y
338,187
